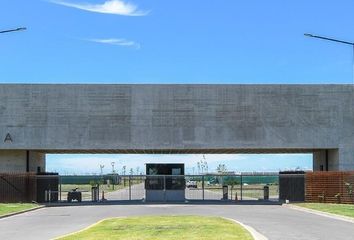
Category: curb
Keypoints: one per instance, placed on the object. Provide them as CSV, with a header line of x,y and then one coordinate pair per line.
x,y
84,229
20,212
256,235
320,213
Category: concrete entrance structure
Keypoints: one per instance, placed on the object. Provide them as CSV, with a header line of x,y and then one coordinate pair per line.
x,y
39,119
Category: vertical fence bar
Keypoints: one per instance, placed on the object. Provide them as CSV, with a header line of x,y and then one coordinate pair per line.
x,y
130,188
164,188
241,187
60,188
203,187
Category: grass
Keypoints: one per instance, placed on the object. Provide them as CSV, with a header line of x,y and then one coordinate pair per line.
x,y
164,228
7,208
340,209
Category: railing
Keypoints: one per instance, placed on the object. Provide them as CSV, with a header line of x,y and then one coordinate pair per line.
x,y
334,187
209,187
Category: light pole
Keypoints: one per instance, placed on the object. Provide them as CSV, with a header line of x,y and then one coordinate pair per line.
x,y
113,171
101,167
13,30
337,41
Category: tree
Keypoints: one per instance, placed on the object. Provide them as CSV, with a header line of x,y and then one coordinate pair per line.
x,y
221,169
202,166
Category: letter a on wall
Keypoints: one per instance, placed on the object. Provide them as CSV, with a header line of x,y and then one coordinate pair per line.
x,y
8,138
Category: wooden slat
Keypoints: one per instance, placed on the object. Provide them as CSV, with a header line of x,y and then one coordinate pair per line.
x,y
324,186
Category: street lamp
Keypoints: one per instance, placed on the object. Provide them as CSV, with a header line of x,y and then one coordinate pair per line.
x,y
337,41
13,30
112,163
101,167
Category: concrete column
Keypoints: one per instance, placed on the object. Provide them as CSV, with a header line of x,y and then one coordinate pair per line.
x,y
346,158
326,160
15,161
36,161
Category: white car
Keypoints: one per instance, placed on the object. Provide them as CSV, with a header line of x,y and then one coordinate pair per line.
x,y
191,184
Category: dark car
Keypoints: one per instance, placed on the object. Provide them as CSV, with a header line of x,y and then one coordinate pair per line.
x,y
74,195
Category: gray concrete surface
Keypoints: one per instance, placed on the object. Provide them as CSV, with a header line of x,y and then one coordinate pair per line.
x,y
181,119
273,221
16,161
137,192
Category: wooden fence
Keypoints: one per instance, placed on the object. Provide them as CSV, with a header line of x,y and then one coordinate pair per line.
x,y
17,187
329,187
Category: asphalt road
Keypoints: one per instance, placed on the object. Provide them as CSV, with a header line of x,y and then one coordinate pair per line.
x,y
273,221
137,192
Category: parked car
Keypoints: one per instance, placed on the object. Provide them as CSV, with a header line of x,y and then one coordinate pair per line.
x,y
191,184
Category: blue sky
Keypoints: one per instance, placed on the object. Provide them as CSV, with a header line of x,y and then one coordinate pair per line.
x,y
184,41
176,42
73,164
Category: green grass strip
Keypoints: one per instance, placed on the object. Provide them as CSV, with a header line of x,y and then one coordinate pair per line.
x,y
7,208
340,209
164,228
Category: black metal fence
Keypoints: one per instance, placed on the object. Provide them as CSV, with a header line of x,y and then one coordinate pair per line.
x,y
292,186
210,187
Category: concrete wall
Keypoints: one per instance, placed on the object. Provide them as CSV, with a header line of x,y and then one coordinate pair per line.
x,y
187,118
15,161
326,160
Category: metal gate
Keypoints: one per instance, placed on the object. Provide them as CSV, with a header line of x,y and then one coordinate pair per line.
x,y
187,188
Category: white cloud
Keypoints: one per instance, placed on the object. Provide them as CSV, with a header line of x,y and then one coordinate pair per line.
x,y
118,7
117,41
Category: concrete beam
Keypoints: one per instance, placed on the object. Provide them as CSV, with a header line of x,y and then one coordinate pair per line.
x,y
180,118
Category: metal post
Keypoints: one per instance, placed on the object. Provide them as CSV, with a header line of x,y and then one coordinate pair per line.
x,y
326,160
241,188
164,188
335,40
203,187
27,161
130,188
13,30
45,195
59,188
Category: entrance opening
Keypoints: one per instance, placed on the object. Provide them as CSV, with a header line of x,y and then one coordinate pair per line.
x,y
170,177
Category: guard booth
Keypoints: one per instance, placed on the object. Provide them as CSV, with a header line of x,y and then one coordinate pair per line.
x,y
165,182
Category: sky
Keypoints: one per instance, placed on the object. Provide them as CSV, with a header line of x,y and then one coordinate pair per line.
x,y
159,41
184,41
68,164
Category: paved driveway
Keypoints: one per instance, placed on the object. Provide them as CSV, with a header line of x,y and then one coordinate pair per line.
x,y
273,221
